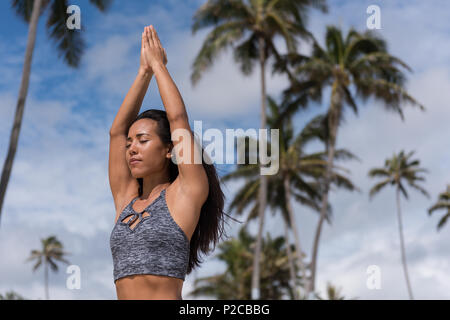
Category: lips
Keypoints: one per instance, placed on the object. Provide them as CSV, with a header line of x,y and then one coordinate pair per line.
x,y
134,161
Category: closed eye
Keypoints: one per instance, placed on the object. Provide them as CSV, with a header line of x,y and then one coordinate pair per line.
x,y
140,141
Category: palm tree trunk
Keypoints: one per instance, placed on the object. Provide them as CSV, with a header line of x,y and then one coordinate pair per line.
x,y
46,279
402,245
333,118
263,181
291,262
298,247
14,138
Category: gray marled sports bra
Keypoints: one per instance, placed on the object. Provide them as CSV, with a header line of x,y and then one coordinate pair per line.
x,y
154,245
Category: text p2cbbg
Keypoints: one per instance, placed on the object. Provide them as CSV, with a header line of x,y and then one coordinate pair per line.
x,y
245,309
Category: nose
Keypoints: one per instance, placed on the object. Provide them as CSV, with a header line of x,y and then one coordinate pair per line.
x,y
132,149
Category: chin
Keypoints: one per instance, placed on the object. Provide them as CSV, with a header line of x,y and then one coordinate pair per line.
x,y
134,174
137,174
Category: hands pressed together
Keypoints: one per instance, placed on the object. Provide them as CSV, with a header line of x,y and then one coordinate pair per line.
x,y
152,52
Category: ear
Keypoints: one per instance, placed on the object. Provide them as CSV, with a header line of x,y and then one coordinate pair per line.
x,y
169,151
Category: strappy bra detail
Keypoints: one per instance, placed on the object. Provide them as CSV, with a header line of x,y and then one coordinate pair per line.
x,y
156,244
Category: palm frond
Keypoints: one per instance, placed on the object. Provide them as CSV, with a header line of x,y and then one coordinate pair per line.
x,y
439,205
402,189
216,41
213,12
375,189
286,28
379,172
419,188
37,265
335,44
24,8
443,221
391,94
246,54
101,5
245,196
343,182
52,264
243,171
343,154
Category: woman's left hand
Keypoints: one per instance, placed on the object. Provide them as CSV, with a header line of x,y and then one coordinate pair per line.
x,y
154,53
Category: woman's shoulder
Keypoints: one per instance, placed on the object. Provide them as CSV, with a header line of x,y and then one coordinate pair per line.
x,y
182,193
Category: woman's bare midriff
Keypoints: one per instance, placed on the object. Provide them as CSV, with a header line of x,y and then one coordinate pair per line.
x,y
148,286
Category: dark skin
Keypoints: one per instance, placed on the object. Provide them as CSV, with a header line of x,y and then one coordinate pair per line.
x,y
154,155
185,196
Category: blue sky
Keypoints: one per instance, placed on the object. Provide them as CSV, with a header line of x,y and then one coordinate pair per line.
x,y
59,184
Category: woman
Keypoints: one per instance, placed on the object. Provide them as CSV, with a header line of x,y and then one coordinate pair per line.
x,y
166,212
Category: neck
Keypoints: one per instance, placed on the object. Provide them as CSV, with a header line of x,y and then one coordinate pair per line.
x,y
154,184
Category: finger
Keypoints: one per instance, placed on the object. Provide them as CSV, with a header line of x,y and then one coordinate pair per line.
x,y
147,37
155,37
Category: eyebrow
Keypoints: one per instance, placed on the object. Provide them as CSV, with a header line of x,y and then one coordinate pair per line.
x,y
138,135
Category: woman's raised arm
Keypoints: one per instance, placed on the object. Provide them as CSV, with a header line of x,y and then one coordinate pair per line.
x,y
133,100
156,57
192,174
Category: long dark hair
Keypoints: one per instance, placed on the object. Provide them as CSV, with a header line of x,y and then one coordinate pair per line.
x,y
210,227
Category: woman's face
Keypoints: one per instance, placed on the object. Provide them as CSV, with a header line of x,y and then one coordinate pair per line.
x,y
148,148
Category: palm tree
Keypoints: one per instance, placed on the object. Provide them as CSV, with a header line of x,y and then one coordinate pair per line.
x,y
296,167
333,293
52,251
292,274
234,282
11,295
357,66
264,19
70,44
396,170
443,203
